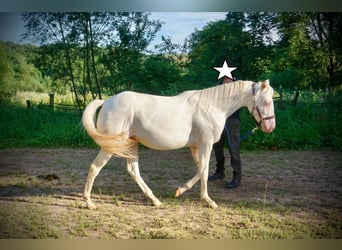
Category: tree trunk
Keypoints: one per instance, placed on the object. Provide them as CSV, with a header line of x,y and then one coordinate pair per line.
x,y
295,99
71,73
87,21
93,60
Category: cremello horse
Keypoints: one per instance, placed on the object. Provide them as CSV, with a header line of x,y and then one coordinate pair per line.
x,y
193,119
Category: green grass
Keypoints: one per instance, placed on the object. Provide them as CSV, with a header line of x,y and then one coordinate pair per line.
x,y
40,127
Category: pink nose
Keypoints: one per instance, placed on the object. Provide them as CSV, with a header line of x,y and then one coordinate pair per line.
x,y
268,125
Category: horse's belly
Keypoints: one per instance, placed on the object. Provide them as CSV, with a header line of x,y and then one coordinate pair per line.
x,y
163,141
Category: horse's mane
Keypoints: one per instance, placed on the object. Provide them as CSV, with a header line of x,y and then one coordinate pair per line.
x,y
221,96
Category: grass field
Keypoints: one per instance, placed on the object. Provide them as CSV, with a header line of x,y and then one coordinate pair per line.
x,y
284,194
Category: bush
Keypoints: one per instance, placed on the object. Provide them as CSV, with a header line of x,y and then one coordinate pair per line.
x,y
306,126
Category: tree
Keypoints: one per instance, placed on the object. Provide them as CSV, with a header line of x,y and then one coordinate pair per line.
x,y
288,67
326,30
262,27
231,40
51,63
162,75
311,44
53,28
89,31
5,92
17,73
167,47
124,57
82,37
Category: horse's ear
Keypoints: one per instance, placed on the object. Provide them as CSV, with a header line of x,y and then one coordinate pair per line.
x,y
265,84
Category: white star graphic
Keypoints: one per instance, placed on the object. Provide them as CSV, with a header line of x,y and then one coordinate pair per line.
x,y
225,70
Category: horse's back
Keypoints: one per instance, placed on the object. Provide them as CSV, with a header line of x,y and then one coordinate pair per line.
x,y
159,122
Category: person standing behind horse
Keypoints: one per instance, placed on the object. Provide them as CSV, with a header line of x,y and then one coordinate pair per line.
x,y
232,129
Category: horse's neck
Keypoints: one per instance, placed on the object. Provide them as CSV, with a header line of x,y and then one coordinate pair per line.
x,y
227,98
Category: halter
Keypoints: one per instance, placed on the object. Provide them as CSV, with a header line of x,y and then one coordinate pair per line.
x,y
255,107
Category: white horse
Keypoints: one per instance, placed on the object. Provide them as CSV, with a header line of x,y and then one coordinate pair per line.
x,y
193,119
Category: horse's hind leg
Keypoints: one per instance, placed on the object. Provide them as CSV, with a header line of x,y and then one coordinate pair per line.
x,y
133,170
100,161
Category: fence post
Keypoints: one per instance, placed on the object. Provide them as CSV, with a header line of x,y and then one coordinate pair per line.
x,y
28,104
281,96
52,100
295,99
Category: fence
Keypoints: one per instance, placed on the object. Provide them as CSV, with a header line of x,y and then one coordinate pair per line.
x,y
281,100
54,106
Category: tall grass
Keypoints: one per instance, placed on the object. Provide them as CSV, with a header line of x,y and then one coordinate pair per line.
x,y
40,127
21,97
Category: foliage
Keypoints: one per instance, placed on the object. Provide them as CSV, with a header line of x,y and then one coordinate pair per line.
x,y
161,75
93,54
230,39
40,127
311,124
216,42
304,46
310,43
76,39
17,74
5,91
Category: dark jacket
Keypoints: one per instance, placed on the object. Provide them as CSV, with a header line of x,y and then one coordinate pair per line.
x,y
235,115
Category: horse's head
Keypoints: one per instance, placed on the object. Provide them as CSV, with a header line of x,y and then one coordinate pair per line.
x,y
261,106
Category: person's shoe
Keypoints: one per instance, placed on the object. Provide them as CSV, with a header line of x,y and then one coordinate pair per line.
x,y
216,176
233,184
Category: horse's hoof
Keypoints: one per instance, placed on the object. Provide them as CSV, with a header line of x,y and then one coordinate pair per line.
x,y
178,192
91,206
157,203
213,205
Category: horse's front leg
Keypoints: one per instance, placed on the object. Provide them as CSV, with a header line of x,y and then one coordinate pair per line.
x,y
201,156
204,152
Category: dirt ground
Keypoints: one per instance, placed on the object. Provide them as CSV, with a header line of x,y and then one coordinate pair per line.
x,y
302,184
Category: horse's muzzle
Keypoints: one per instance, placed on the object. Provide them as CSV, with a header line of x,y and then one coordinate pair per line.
x,y
268,125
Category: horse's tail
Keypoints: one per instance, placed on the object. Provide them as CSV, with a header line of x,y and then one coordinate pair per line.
x,y
119,145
